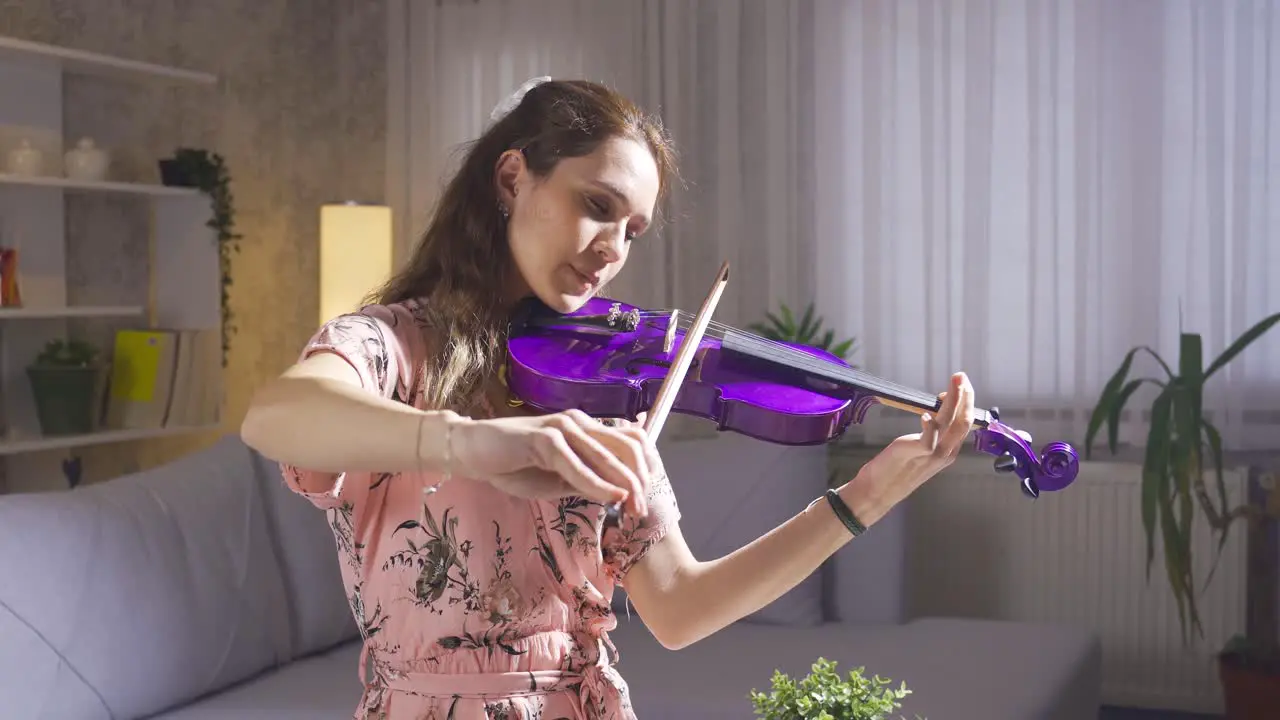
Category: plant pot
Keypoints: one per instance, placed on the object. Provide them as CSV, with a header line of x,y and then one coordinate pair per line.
x,y
173,174
66,398
1251,692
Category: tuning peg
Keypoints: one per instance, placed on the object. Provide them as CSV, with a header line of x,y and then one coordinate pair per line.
x,y
1006,463
994,412
1029,488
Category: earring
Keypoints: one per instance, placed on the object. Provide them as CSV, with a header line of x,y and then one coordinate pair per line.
x,y
502,210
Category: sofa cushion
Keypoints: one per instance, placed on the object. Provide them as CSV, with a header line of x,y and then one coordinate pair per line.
x,y
320,616
325,686
732,489
957,669
136,594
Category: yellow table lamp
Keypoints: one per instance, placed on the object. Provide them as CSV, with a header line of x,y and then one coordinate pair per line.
x,y
355,255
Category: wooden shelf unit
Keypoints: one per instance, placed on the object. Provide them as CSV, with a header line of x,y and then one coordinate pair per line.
x,y
184,280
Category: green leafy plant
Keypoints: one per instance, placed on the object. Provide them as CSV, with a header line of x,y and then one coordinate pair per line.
x,y
64,379
824,695
1182,446
808,330
207,171
67,354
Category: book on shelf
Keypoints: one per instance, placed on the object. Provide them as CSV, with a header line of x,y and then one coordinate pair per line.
x,y
162,377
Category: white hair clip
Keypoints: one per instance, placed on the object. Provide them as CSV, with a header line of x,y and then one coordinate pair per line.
x,y
513,100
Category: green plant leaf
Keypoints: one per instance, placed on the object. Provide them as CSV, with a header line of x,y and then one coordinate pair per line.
x,y
1176,504
1214,439
807,327
1107,402
841,350
1191,372
828,337
1155,472
1242,342
779,327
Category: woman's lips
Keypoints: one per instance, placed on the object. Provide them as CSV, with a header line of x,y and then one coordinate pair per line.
x,y
586,281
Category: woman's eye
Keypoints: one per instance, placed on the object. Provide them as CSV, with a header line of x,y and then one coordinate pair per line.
x,y
597,207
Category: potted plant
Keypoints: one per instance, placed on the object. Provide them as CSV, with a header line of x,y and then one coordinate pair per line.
x,y
808,331
824,695
1182,448
65,381
207,171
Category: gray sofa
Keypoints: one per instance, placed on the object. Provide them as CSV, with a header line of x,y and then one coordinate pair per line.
x,y
204,589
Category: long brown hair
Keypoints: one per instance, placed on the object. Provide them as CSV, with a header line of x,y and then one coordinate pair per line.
x,y
463,258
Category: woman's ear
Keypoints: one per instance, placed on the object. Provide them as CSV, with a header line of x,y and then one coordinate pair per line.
x,y
507,175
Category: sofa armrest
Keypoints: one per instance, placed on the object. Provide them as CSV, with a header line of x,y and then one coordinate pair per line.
x,y
865,582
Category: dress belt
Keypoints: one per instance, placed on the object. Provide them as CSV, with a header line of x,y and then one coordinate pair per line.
x,y
482,685
597,695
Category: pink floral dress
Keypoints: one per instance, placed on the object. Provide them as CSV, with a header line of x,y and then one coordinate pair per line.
x,y
473,604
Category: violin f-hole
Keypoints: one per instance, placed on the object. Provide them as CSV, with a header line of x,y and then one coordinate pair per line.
x,y
633,365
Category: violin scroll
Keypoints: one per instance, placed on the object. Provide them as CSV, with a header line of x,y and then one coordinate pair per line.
x,y
1051,470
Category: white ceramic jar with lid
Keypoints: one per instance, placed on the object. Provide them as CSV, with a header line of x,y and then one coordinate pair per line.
x,y
86,161
26,159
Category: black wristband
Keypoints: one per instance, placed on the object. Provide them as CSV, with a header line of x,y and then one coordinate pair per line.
x,y
842,511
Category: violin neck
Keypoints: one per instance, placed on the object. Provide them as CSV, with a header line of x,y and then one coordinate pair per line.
x,y
824,376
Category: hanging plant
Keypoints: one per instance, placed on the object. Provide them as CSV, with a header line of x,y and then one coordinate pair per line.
x,y
205,170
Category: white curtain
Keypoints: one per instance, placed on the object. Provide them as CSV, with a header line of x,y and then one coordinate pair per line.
x,y
1026,190
1022,190
728,79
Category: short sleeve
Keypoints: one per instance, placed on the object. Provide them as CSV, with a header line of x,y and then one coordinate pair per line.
x,y
623,546
373,341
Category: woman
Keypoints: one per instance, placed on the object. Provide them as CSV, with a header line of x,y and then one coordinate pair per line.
x,y
470,531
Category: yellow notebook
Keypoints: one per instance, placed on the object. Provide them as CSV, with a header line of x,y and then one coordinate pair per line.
x,y
142,373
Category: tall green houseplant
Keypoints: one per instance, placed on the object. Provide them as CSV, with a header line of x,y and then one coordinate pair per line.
x,y
808,330
1182,447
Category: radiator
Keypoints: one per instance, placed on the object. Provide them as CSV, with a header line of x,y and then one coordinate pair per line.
x,y
979,548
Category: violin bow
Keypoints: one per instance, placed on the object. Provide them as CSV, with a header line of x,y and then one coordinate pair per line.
x,y
657,416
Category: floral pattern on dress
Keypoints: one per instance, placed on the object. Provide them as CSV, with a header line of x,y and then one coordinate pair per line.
x,y
472,604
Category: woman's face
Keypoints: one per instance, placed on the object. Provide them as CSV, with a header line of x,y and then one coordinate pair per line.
x,y
570,232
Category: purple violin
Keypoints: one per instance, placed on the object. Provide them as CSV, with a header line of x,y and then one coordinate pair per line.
x,y
609,359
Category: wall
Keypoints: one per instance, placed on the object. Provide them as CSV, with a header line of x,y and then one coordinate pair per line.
x,y
299,114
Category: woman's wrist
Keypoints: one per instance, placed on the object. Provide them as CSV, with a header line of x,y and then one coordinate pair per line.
x,y
436,442
864,500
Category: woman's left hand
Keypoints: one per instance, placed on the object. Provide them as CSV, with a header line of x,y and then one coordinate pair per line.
x,y
910,460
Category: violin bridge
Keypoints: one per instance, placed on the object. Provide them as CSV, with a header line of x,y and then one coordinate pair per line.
x,y
669,342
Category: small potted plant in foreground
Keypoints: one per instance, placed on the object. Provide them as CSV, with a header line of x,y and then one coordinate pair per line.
x,y
65,381
824,695
1184,450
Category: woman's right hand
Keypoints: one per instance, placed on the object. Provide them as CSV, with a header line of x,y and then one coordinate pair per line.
x,y
551,456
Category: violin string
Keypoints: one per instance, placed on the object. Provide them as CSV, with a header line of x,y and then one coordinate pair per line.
x,y
785,354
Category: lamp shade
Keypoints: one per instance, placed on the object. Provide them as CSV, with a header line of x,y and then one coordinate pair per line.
x,y
355,255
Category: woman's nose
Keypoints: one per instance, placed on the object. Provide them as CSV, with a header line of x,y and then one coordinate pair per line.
x,y
610,244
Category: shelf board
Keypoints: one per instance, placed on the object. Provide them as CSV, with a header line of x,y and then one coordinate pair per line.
x,y
16,446
82,62
97,185
81,311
